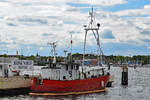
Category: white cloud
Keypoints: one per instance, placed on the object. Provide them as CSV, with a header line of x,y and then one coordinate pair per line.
x,y
30,22
41,48
146,6
126,26
148,47
3,4
134,12
101,2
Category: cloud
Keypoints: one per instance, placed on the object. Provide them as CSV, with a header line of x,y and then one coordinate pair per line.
x,y
107,34
60,23
11,24
34,23
147,41
101,2
27,19
4,4
146,6
124,28
148,47
134,12
46,34
145,32
41,48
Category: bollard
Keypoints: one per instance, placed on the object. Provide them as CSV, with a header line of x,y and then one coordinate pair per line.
x,y
124,78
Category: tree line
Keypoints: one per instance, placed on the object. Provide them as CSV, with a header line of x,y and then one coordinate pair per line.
x,y
42,60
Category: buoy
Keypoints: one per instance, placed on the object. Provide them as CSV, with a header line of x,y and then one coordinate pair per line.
x,y
124,78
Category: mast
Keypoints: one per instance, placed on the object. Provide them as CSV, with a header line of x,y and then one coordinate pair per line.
x,y
65,52
71,49
53,50
92,27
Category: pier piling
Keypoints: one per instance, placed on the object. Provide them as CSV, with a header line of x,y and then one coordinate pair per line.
x,y
124,78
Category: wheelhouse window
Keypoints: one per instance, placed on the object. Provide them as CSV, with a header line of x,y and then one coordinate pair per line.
x,y
76,67
72,66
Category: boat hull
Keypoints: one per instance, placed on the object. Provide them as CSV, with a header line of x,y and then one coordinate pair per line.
x,y
15,85
67,93
69,86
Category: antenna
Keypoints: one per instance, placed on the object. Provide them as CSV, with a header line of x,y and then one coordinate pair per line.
x,y
53,50
71,49
71,44
65,52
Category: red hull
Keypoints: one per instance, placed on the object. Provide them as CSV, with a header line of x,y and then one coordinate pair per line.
x,y
58,86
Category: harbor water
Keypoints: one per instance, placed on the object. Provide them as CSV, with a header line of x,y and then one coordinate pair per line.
x,y
138,88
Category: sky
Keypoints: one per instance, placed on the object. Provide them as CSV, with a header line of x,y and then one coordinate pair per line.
x,y
27,26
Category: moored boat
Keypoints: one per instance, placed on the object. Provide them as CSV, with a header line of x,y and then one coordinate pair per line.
x,y
11,80
61,80
72,78
57,83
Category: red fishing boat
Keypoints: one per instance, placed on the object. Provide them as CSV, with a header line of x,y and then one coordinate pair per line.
x,y
72,78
